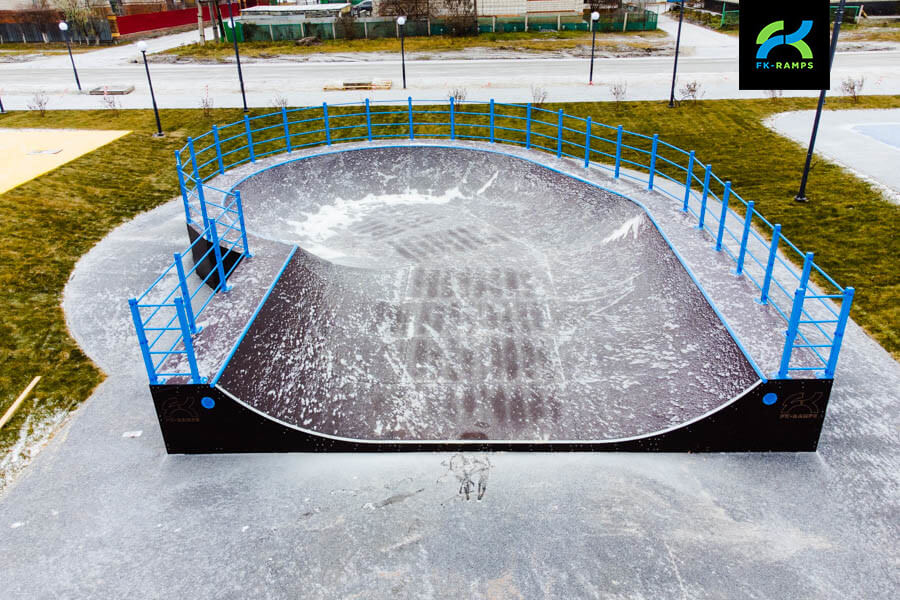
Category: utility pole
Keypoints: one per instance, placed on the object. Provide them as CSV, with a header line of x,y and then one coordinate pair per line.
x,y
677,47
838,17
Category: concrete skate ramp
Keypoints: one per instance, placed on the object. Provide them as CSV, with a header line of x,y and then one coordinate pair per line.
x,y
447,294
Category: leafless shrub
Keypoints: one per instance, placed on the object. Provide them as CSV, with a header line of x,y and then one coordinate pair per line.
x,y
538,95
459,94
774,95
39,102
618,90
110,102
853,87
206,103
279,102
692,90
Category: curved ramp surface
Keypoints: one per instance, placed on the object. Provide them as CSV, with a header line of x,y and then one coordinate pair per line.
x,y
453,294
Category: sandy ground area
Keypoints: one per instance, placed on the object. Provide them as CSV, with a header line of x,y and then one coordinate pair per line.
x,y
28,153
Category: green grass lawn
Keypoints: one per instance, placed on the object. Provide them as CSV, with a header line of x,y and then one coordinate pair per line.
x,y
49,222
524,41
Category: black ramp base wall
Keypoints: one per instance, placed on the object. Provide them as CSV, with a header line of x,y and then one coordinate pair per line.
x,y
778,416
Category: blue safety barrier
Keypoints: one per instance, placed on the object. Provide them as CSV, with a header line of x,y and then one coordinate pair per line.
x,y
165,316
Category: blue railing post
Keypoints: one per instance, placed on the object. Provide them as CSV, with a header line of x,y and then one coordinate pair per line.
x,y
770,266
217,251
240,210
688,181
452,119
705,197
653,150
249,138
492,120
215,131
724,216
287,130
559,135
748,219
185,292
587,144
618,150
199,185
839,333
368,120
188,343
528,127
796,316
327,125
791,333
142,340
181,186
411,134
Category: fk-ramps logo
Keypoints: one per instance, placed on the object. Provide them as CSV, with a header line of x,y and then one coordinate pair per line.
x,y
784,45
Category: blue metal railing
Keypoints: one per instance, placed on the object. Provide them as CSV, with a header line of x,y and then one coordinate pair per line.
x,y
815,321
165,315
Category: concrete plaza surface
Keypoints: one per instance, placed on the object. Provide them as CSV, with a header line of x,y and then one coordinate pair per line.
x,y
103,512
865,141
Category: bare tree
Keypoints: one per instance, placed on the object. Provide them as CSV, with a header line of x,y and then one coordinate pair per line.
x,y
80,14
774,95
692,90
618,90
279,102
110,102
39,102
413,9
538,95
206,103
459,16
853,87
459,94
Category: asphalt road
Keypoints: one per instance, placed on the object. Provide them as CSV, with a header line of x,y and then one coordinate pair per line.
x,y
182,85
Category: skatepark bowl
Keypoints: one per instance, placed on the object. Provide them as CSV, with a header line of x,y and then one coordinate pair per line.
x,y
435,284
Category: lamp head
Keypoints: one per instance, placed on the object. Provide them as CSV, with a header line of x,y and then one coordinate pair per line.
x,y
401,20
63,26
142,46
595,16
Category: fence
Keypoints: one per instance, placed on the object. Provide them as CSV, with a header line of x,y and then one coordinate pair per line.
x,y
149,21
815,321
381,27
42,33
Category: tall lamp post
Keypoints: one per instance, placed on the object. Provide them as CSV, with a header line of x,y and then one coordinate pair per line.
x,y
838,18
677,47
64,27
142,46
237,55
401,21
594,17
2,112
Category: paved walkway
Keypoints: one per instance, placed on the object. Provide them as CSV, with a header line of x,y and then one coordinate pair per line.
x,y
103,512
865,141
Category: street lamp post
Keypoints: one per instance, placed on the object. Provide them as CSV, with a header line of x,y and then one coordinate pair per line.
x,y
838,18
142,46
64,27
401,21
594,17
237,56
2,112
677,47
